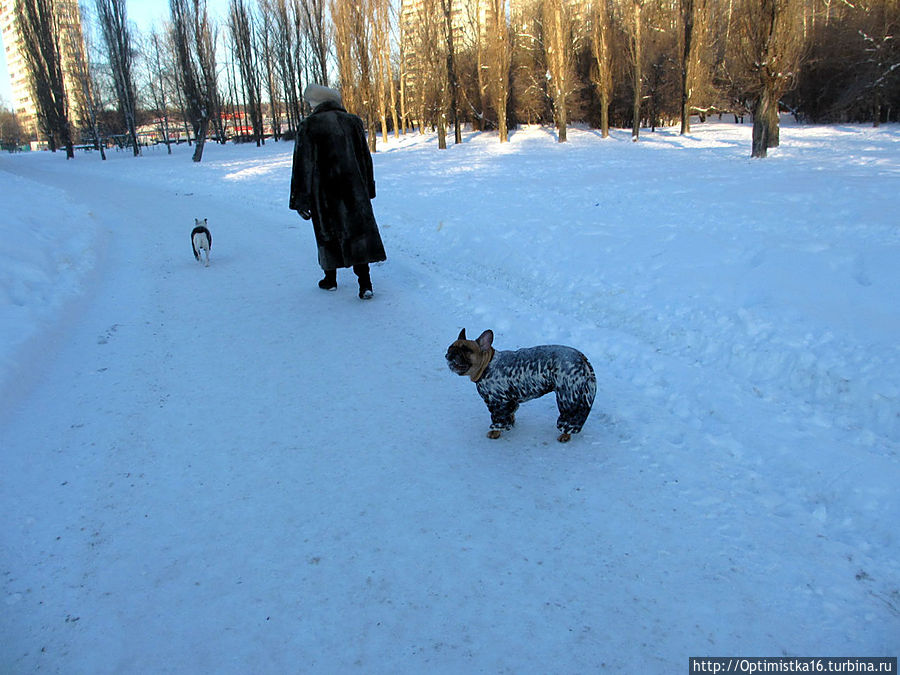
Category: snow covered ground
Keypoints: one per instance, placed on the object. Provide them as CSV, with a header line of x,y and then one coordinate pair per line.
x,y
228,470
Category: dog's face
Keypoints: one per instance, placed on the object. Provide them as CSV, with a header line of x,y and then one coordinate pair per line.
x,y
464,357
460,357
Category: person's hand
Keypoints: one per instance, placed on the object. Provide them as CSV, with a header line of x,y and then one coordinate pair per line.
x,y
305,214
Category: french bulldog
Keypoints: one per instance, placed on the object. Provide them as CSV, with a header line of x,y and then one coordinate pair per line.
x,y
507,378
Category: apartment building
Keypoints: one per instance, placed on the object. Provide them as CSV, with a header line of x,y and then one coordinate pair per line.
x,y
466,17
424,20
71,47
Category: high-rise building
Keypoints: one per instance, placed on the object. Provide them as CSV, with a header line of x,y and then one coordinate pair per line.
x,y
466,18
418,18
72,51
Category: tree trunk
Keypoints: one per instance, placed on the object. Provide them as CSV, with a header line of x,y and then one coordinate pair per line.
x,y
381,62
393,91
762,125
501,62
478,122
403,114
774,134
201,140
600,48
604,115
501,118
557,46
688,16
452,79
442,130
637,71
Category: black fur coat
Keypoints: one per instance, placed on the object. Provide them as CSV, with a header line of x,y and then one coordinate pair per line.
x,y
332,179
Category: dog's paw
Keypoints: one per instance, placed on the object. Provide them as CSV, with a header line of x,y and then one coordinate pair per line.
x,y
494,434
564,437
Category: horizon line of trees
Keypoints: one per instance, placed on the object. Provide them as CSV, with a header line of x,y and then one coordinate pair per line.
x,y
488,64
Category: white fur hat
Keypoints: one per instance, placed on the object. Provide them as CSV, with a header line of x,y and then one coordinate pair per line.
x,y
316,94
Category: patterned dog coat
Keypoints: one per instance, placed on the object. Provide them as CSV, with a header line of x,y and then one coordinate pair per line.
x,y
513,377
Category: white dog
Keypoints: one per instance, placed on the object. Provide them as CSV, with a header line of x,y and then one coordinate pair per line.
x,y
201,239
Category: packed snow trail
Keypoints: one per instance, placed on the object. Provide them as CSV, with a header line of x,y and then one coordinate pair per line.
x,y
226,469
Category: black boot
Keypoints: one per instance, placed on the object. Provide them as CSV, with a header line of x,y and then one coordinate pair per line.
x,y
365,281
329,283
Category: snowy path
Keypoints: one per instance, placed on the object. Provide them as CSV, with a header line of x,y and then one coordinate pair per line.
x,y
228,470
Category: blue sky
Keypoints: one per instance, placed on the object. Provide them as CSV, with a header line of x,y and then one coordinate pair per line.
x,y
143,13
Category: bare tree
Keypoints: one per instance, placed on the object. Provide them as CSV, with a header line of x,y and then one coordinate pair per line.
x,y
318,36
116,33
882,53
600,49
207,37
82,73
157,85
379,20
773,44
661,66
355,25
452,75
530,86
241,25
499,59
403,73
389,78
559,43
285,55
635,45
361,43
11,133
39,30
265,37
345,23
386,74
431,73
478,102
196,66
688,18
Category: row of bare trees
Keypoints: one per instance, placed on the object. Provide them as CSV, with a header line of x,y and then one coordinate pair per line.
x,y
637,63
442,64
642,63
174,75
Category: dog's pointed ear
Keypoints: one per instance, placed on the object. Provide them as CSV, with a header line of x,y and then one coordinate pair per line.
x,y
462,334
485,340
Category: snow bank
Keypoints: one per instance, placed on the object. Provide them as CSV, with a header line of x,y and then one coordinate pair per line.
x,y
48,248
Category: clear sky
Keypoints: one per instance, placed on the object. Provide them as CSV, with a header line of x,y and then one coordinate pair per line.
x,y
145,12
142,13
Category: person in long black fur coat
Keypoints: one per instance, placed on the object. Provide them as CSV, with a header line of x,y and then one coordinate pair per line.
x,y
332,183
